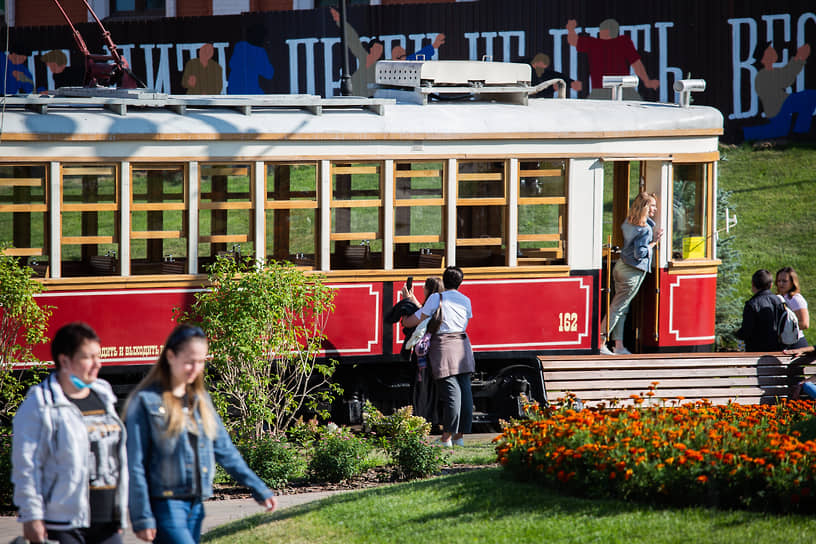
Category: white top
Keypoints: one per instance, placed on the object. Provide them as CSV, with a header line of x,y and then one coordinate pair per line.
x,y
456,310
796,302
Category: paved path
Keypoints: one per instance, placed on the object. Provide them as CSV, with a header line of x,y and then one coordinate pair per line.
x,y
219,512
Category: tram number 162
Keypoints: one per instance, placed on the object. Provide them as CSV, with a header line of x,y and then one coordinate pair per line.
x,y
568,322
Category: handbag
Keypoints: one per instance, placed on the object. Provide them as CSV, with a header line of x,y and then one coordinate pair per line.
x,y
436,318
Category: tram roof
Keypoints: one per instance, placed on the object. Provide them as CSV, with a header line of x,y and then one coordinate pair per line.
x,y
305,117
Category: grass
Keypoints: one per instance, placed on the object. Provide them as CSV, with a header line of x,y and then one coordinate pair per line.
x,y
488,506
773,194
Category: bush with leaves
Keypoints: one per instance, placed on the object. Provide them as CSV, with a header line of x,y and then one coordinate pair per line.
x,y
338,455
265,324
273,459
23,324
303,433
728,313
405,437
7,490
414,458
384,430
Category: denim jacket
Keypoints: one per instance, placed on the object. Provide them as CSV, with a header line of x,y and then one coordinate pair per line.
x,y
636,239
50,458
161,466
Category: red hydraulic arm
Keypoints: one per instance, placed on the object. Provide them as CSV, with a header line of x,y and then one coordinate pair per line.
x,y
102,70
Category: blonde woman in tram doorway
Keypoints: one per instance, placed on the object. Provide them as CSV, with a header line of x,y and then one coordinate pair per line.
x,y
639,239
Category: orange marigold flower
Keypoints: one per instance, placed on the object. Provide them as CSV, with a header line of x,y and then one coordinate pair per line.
x,y
702,478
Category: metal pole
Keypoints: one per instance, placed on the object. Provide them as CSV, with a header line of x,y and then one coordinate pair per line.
x,y
657,292
345,77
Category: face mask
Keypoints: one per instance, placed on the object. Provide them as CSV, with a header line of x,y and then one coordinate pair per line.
x,y
79,384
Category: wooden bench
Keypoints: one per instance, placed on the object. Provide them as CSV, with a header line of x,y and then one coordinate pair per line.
x,y
744,378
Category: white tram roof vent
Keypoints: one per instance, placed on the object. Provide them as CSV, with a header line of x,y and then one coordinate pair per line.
x,y
416,80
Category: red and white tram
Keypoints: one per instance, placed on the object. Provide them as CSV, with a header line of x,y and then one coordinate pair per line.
x,y
119,201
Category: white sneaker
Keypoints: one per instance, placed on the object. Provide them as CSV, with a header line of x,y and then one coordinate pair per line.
x,y
622,351
459,442
444,443
605,350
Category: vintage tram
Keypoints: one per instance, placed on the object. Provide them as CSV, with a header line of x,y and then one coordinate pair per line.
x,y
119,199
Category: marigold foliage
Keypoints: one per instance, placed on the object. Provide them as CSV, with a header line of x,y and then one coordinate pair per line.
x,y
743,456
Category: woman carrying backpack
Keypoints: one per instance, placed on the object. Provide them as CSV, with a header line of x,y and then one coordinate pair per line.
x,y
787,286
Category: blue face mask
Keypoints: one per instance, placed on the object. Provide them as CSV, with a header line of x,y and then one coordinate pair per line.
x,y
79,383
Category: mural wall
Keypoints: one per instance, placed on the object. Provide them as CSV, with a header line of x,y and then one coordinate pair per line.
x,y
754,55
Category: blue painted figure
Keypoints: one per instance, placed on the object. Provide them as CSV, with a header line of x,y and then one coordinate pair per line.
x,y
18,76
249,62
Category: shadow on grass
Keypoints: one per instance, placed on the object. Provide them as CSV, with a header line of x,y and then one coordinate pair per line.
x,y
490,492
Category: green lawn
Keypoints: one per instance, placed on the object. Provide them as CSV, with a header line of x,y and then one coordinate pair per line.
x,y
773,195
488,506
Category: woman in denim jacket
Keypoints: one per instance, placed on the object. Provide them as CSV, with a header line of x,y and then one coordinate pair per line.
x,y
69,466
174,439
639,238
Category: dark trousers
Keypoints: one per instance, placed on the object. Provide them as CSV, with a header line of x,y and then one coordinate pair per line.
x,y
457,403
107,533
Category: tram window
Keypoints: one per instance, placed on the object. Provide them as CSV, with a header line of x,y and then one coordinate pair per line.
x,y
24,214
291,213
690,212
419,239
90,220
356,216
480,213
225,218
542,212
158,220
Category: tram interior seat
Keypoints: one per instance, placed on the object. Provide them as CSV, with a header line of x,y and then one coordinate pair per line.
x,y
40,270
103,265
479,256
174,267
352,257
430,260
533,256
301,259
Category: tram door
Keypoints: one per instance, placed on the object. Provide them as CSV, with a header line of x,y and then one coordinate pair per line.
x,y
623,180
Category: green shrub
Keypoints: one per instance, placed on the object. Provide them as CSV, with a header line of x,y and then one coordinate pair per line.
x,y
415,458
338,455
6,490
303,433
265,325
273,459
384,430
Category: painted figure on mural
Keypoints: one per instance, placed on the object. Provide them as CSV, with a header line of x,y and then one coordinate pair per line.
x,y
249,63
18,77
56,61
610,54
202,75
363,79
426,53
779,106
542,71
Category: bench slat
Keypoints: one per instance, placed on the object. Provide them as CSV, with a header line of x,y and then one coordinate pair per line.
x,y
598,364
699,392
715,401
658,374
643,384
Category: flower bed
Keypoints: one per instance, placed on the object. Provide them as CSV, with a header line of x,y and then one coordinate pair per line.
x,y
729,456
